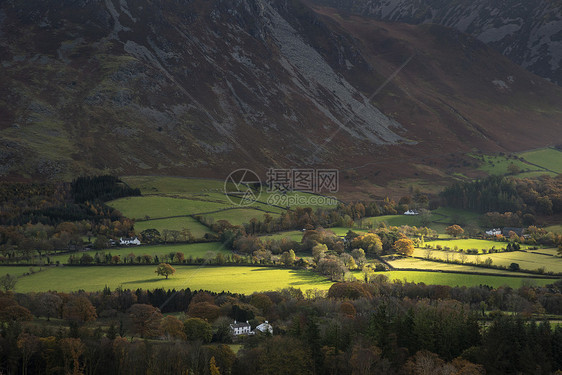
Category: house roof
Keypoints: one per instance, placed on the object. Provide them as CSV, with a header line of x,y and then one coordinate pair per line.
x,y
239,325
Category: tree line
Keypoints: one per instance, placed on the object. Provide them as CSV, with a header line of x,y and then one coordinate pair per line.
x,y
356,328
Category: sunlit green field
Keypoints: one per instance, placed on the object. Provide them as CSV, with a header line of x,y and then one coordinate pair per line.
x,y
234,279
239,216
293,235
159,207
195,250
527,260
437,266
197,229
174,185
548,158
470,243
497,165
392,220
453,279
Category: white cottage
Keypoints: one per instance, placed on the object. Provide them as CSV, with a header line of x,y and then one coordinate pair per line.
x,y
241,328
129,241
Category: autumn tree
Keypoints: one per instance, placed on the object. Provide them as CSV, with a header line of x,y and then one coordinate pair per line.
x,y
15,313
370,242
172,327
404,246
213,368
72,350
28,345
146,319
8,282
164,269
79,309
288,258
49,304
198,329
454,230
359,256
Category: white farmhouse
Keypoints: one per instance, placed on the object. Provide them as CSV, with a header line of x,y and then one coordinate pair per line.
x,y
494,232
129,241
241,328
411,212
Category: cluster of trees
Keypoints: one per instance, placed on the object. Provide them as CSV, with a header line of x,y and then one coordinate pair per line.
x,y
357,328
100,188
27,240
541,196
42,218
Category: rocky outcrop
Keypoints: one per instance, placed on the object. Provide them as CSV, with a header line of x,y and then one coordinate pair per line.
x,y
528,32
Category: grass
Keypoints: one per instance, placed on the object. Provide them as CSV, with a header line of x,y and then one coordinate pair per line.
x,y
547,158
173,185
239,216
449,215
16,270
293,235
555,228
526,260
392,220
342,231
436,266
196,250
471,243
160,207
452,279
497,165
234,279
197,229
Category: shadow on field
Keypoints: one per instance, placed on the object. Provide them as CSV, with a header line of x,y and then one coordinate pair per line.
x,y
144,281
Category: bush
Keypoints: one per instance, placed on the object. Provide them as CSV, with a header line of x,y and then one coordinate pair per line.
x,y
514,267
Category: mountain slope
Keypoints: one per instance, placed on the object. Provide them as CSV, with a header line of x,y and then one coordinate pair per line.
x,y
528,32
206,87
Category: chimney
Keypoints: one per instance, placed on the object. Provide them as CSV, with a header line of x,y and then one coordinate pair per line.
x,y
234,321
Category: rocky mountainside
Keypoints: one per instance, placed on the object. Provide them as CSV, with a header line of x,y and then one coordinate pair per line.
x,y
528,32
205,87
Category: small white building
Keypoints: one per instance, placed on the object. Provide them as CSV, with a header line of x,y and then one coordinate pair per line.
x,y
129,241
238,329
265,327
494,232
411,212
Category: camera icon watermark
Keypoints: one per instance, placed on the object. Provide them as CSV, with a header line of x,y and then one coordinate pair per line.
x,y
242,187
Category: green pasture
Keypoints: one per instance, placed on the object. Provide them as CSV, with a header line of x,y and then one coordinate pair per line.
x,y
422,264
449,215
342,231
526,260
160,207
293,235
555,228
551,251
17,270
196,250
239,216
391,220
497,164
245,280
454,279
174,185
197,229
471,243
547,158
